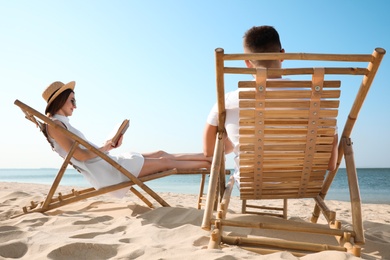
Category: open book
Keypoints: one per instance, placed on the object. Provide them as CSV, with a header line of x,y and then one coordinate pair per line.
x,y
121,130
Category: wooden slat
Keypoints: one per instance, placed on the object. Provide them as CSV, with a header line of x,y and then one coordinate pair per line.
x,y
289,84
291,103
289,94
293,144
289,122
291,171
287,174
286,147
286,130
284,172
300,56
274,139
280,188
273,183
248,173
288,113
268,175
298,71
276,156
291,195
279,167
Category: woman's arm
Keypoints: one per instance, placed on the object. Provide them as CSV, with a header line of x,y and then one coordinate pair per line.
x,y
66,143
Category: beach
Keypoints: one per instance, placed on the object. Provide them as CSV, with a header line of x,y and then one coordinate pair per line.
x,y
105,227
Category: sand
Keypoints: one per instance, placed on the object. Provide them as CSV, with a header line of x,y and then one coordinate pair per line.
x,y
105,227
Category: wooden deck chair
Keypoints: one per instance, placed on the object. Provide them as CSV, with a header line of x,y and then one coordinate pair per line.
x,y
51,201
286,128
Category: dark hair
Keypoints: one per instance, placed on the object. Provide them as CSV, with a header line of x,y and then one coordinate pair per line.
x,y
262,39
56,105
58,102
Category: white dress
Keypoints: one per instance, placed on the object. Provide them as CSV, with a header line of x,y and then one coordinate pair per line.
x,y
97,171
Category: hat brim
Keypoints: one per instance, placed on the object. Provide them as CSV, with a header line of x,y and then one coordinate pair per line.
x,y
69,85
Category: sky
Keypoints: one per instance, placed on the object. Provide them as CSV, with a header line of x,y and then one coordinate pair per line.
x,y
153,63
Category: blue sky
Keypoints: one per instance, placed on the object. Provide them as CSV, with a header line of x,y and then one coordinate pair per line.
x,y
153,62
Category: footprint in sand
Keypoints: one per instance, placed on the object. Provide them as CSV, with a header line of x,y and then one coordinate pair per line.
x,y
95,234
13,250
93,220
80,250
35,222
8,233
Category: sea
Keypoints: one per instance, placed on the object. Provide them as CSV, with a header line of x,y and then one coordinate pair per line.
x,y
374,183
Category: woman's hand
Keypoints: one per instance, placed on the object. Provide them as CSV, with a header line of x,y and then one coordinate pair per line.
x,y
109,145
119,142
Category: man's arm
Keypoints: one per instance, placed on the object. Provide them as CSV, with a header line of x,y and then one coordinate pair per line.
x,y
209,137
333,157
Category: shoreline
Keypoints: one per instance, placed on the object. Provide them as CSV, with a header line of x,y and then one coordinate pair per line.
x,y
104,227
367,197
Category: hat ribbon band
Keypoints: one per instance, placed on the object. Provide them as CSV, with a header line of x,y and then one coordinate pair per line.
x,y
51,95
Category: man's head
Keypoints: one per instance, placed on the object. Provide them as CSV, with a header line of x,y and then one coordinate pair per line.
x,y
259,39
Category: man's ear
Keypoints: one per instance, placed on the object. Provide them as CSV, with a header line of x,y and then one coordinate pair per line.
x,y
248,64
282,51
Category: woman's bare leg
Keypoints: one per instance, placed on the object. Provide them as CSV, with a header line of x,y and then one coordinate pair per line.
x,y
153,165
178,156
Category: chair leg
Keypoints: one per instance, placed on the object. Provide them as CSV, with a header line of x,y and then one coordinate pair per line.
x,y
217,196
213,183
215,237
285,208
356,206
201,190
59,176
243,207
141,197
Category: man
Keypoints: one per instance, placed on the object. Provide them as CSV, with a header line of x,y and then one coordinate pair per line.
x,y
258,39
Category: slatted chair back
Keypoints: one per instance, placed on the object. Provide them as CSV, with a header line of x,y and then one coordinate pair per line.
x,y
286,132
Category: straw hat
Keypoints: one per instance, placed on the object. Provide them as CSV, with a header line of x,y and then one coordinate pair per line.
x,y
54,89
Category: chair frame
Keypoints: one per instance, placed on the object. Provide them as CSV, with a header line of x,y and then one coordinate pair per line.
x,y
217,222
52,202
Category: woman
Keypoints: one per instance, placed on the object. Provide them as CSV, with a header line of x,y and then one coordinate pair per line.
x,y
61,102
